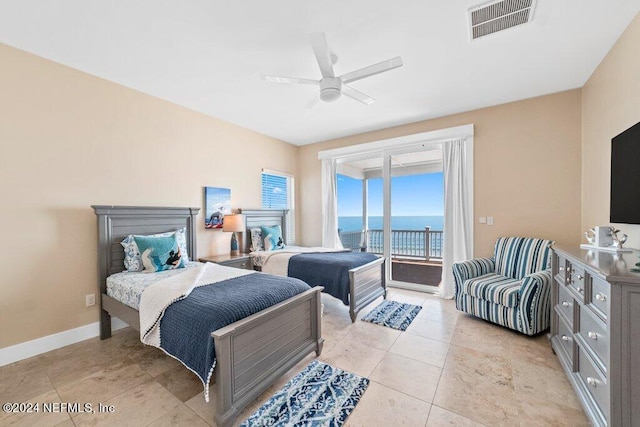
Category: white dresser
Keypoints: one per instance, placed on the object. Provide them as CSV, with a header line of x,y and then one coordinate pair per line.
x,y
595,331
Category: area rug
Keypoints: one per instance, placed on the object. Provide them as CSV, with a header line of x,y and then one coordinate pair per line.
x,y
320,395
393,314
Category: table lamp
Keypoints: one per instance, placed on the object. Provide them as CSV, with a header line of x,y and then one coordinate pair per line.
x,y
233,223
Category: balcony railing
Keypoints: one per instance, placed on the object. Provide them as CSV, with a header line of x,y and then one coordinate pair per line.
x,y
422,244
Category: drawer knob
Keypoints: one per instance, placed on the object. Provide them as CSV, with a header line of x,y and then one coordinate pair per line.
x,y
566,338
601,297
593,335
565,304
561,268
592,381
579,289
580,277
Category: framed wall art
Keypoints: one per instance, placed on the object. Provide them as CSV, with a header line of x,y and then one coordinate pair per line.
x,y
217,204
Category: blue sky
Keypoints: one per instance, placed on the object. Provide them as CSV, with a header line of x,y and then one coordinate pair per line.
x,y
411,195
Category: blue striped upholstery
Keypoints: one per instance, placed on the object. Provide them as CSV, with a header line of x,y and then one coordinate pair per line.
x,y
517,257
495,288
465,270
511,289
494,313
535,302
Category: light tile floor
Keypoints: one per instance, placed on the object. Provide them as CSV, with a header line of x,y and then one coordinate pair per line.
x,y
448,368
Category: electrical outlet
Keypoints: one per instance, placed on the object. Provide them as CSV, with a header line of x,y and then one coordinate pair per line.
x,y
489,220
90,300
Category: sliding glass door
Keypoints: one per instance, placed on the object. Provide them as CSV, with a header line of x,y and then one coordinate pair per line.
x,y
391,204
416,205
360,204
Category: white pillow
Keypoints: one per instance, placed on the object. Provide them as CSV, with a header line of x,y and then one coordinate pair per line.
x,y
256,240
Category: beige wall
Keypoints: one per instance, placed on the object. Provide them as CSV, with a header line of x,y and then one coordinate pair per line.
x,y
610,104
526,169
70,140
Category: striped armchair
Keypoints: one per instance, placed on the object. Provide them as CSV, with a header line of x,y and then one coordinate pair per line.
x,y
512,288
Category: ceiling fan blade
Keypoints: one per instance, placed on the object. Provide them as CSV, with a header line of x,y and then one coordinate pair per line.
x,y
313,101
290,80
357,95
323,56
372,70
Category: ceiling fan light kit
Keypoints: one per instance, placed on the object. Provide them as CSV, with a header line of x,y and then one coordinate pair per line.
x,y
332,87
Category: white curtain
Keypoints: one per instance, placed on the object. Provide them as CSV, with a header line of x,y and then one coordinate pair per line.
x,y
330,237
458,210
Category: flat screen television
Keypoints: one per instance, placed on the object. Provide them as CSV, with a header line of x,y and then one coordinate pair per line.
x,y
625,177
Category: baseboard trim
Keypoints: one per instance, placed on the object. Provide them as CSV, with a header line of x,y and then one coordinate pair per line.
x,y
32,348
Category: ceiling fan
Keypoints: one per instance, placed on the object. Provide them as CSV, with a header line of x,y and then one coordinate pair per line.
x,y
332,87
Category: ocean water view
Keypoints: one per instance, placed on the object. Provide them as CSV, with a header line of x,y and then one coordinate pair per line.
x,y
354,223
407,237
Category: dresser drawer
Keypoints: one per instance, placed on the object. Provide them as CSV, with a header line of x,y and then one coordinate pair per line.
x,y
594,382
566,304
599,297
561,272
565,337
575,280
594,334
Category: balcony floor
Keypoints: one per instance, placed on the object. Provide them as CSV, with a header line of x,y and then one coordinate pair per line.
x,y
416,271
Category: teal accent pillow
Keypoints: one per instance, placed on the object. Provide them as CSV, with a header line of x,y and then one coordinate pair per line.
x,y
132,260
159,253
272,237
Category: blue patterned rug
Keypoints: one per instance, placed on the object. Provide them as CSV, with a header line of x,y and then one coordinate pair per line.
x,y
393,314
320,395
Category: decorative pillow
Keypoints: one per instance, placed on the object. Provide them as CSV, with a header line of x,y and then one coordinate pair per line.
x,y
132,260
159,253
272,238
256,240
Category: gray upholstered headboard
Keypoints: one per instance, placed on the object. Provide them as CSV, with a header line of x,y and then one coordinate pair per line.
x,y
117,222
267,217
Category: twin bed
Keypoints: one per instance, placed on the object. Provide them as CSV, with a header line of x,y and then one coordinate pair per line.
x,y
364,281
254,348
252,352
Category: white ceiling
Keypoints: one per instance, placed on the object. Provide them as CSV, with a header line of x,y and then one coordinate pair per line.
x,y
208,55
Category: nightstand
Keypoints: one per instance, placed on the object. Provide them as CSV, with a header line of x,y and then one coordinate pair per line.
x,y
236,261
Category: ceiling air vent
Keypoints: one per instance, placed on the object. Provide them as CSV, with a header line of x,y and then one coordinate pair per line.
x,y
497,16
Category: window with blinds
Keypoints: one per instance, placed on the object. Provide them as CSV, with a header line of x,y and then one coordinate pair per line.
x,y
277,193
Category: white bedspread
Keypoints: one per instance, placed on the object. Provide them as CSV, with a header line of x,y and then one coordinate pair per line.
x,y
277,262
157,297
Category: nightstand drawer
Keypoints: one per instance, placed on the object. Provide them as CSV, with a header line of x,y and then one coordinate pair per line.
x,y
244,263
236,261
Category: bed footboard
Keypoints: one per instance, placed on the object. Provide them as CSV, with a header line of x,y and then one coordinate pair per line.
x,y
253,352
367,283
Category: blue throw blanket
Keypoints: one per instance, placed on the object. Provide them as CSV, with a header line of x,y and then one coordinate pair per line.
x,y
187,324
328,269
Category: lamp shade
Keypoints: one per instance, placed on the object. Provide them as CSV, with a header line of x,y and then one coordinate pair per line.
x,y
233,223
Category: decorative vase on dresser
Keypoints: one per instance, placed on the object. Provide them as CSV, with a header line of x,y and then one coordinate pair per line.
x,y
595,331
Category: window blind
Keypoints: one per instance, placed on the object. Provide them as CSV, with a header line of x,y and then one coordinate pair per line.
x,y
277,193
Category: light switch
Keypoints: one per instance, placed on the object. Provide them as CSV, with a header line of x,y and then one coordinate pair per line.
x,y
482,220
489,220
